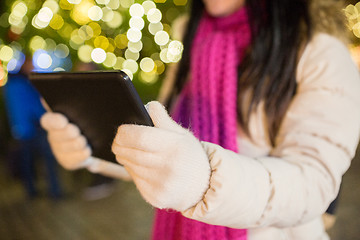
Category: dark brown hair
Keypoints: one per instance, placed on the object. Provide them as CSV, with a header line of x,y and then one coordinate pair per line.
x,y
268,72
280,28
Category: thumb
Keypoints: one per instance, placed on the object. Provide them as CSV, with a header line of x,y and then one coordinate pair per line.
x,y
161,118
51,121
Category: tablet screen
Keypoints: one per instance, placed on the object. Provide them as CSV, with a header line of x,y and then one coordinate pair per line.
x,y
97,102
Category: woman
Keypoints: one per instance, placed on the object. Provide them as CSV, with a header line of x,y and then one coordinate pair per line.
x,y
272,96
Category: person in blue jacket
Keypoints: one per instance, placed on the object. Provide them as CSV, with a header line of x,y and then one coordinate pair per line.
x,y
24,110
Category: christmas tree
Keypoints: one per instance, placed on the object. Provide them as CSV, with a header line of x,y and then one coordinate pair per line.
x,y
129,35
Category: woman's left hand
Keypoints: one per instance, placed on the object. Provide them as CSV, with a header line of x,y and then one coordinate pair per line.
x,y
166,162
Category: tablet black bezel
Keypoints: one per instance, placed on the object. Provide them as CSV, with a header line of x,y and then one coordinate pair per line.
x,y
96,101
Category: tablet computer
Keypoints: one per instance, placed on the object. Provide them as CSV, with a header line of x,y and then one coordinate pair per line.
x,y
98,102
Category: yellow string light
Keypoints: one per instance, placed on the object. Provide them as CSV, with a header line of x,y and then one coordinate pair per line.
x,y
121,41
80,12
92,29
111,47
84,53
6,53
101,42
57,22
95,28
352,13
64,4
3,75
180,2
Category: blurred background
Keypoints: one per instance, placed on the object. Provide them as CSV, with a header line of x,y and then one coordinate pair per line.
x,y
40,200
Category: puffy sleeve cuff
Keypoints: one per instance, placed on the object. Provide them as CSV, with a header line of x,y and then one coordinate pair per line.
x,y
238,193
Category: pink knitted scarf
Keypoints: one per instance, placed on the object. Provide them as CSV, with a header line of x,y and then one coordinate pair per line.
x,y
207,105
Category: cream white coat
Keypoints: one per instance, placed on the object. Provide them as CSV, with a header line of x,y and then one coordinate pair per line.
x,y
281,192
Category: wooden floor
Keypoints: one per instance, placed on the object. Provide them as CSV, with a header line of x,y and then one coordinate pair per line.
x,y
121,216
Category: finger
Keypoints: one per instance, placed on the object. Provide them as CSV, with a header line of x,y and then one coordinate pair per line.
x,y
146,188
50,121
130,156
139,173
70,131
161,118
71,145
150,189
143,137
75,159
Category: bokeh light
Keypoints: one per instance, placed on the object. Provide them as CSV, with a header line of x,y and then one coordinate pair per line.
x,y
154,15
103,2
62,51
175,50
108,14
76,38
36,43
37,23
148,77
119,63
161,38
42,60
15,64
19,9
126,3
11,66
180,2
163,56
6,53
45,15
133,36
59,69
64,4
160,67
121,41
95,28
113,4
101,42
80,12
84,53
98,55
110,60
137,22
147,5
135,46
155,27
136,10
57,22
95,13
3,75
147,64
352,13
85,32
131,55
116,20
74,1
50,44
131,65
53,5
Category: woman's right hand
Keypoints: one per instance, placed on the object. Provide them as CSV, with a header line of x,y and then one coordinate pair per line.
x,y
67,143
72,151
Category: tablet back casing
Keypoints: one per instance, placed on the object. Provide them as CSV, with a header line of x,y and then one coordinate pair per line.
x,y
97,102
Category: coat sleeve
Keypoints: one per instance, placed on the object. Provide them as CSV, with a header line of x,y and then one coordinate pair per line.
x,y
316,142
